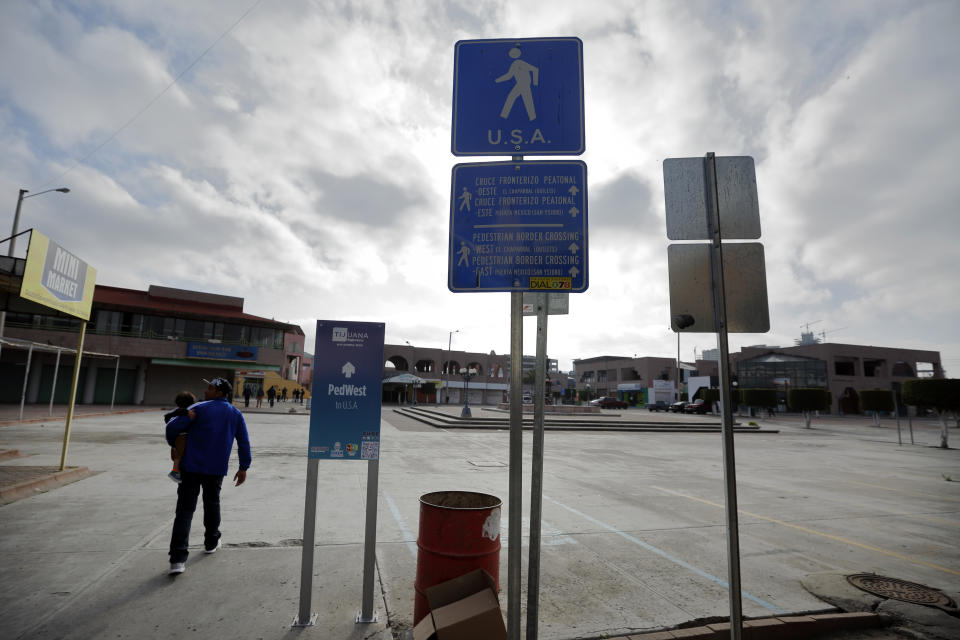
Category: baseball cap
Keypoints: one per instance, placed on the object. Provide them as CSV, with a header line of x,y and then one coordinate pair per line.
x,y
220,384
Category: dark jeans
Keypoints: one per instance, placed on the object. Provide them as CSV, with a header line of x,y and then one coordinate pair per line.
x,y
187,494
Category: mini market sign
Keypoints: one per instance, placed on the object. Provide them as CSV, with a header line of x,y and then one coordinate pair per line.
x,y
56,278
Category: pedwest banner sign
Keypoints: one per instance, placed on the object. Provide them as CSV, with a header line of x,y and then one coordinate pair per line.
x,y
347,370
56,278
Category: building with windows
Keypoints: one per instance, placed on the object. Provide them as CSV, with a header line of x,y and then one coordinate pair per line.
x,y
167,341
440,371
844,369
636,381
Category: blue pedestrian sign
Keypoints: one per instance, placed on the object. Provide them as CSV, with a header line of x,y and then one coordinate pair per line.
x,y
518,226
518,97
345,411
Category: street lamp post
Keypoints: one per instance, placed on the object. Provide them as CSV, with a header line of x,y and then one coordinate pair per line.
x,y
679,378
467,374
13,233
682,321
445,369
16,216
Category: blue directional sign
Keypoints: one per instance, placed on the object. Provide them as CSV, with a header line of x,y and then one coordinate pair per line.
x,y
347,369
518,97
518,226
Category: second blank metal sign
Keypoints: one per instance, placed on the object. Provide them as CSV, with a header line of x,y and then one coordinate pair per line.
x,y
744,277
684,186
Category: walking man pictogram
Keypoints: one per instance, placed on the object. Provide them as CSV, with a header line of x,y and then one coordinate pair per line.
x,y
465,199
523,74
464,253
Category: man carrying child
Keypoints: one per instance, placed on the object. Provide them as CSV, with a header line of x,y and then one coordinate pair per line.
x,y
211,427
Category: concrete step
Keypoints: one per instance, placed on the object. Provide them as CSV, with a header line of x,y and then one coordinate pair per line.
x,y
443,420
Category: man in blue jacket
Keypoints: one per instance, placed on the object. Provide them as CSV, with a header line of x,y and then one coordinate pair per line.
x,y
211,426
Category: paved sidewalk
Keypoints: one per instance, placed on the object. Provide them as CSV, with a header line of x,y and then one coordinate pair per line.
x,y
19,480
88,559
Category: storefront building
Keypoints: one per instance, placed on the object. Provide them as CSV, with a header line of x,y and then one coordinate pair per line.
x,y
442,382
636,381
844,369
168,340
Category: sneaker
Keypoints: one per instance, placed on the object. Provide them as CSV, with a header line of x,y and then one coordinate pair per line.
x,y
175,476
215,549
176,568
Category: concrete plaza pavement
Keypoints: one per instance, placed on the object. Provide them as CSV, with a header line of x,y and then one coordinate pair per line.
x,y
633,533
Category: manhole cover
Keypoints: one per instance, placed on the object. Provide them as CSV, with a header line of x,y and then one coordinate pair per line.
x,y
897,589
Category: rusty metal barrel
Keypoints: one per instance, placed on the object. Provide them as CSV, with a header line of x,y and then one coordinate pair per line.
x,y
459,532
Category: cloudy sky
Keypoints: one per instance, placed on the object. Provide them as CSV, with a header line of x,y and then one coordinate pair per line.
x,y
297,153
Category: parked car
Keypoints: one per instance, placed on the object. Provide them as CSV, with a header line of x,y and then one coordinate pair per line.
x,y
677,407
659,405
612,403
697,406
608,402
527,398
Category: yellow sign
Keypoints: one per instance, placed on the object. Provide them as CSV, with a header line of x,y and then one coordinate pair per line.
x,y
551,283
56,278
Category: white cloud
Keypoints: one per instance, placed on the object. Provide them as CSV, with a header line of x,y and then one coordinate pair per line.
x,y
304,162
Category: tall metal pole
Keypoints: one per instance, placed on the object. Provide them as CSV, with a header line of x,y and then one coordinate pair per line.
x,y
536,478
443,369
16,216
16,223
53,386
516,461
367,613
11,247
73,395
896,410
304,618
26,380
729,463
678,367
116,374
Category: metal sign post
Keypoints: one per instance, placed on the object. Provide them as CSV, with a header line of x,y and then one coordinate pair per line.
x,y
536,479
518,226
696,191
729,463
73,395
515,532
367,613
344,425
304,617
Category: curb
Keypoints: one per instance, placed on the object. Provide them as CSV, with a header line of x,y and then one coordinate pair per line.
x,y
779,628
56,479
8,423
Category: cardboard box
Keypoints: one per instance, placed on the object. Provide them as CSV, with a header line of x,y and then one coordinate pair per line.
x,y
465,608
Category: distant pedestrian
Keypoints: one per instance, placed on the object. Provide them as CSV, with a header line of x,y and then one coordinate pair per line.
x,y
271,395
295,394
246,396
183,400
259,396
283,395
214,425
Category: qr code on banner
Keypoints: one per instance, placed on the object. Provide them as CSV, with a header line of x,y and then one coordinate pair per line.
x,y
369,450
